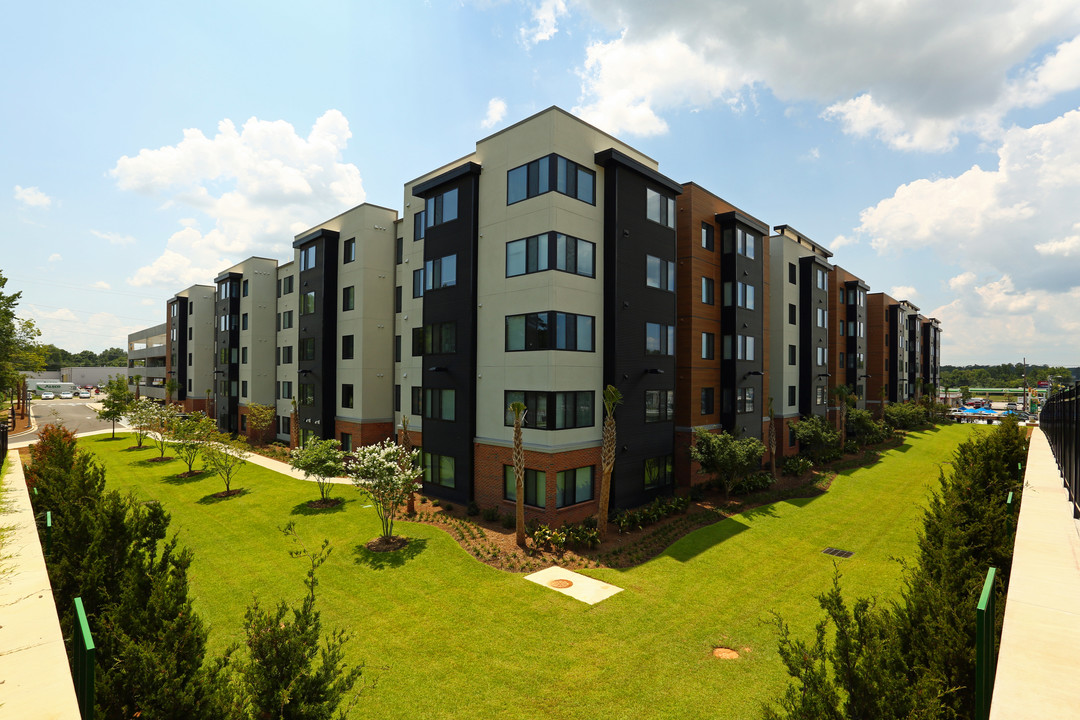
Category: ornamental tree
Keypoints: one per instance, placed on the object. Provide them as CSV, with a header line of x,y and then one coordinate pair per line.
x,y
116,401
188,437
725,458
386,472
319,459
142,416
164,417
225,455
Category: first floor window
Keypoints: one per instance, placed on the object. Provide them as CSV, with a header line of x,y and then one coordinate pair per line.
x,y
438,469
659,405
397,398
659,471
535,483
574,486
283,425
346,442
243,420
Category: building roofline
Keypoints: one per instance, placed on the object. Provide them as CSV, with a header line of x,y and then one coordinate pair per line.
x,y
799,237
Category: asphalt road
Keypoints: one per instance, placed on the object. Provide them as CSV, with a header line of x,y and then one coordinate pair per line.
x,y
77,416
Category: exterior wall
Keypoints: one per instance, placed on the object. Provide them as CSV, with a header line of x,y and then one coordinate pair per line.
x,y
880,346
97,376
847,338
190,345
931,351
147,359
285,352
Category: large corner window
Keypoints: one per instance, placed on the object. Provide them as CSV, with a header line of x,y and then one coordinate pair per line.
x,y
441,208
574,486
438,273
551,410
659,273
547,174
438,338
659,339
307,303
659,405
660,208
307,394
549,331
744,400
535,483
659,471
439,403
550,250
438,469
307,258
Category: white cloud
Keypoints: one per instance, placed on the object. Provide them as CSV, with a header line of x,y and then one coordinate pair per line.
x,y
259,185
1063,247
32,197
842,240
55,257
114,238
962,281
496,111
903,292
903,72
545,18
101,285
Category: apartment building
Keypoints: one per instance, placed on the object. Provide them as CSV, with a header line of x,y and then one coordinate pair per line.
x,y
848,342
931,352
539,269
722,358
146,362
335,343
189,346
799,331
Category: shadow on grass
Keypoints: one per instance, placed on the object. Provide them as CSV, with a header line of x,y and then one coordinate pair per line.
x,y
305,509
702,539
213,499
183,478
154,461
136,448
383,560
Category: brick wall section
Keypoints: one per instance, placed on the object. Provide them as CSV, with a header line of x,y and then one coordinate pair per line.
x,y
488,481
364,433
190,405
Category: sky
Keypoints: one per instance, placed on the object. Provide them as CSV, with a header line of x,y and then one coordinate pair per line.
x,y
933,146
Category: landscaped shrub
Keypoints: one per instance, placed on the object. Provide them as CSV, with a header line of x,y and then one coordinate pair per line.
x,y
509,521
796,465
906,416
490,514
754,483
862,426
724,458
473,509
818,440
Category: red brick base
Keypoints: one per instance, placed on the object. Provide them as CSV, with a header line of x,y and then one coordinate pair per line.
x,y
488,482
364,433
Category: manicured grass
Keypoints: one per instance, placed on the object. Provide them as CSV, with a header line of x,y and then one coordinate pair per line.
x,y
446,636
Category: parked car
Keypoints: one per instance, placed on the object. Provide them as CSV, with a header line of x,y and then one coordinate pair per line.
x,y
1010,406
65,395
84,393
46,395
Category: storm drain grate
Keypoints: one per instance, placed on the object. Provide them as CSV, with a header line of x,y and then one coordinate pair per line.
x,y
838,553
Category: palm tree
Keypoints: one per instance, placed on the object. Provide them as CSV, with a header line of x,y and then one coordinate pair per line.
x,y
612,397
518,408
842,393
772,439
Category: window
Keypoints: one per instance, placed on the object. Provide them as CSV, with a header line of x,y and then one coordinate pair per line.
x,y
822,318
550,250
659,208
534,482
397,348
790,354
744,400
243,356
659,339
708,346
397,398
418,226
842,359
441,208
551,410
189,359
286,390
791,314
792,274
707,401
350,251
346,396
745,242
438,469
244,286
659,405
307,303
347,347
417,284
841,328
791,439
399,250
244,320
822,281
708,288
190,333
791,395
745,296
439,403
189,385
821,360
243,422
862,329
549,173
286,355
307,258
659,273
286,319
286,284
346,442
307,394
707,236
439,338
744,347
348,298
397,298
243,388
307,349
574,486
659,471
549,331
819,396
417,401
440,273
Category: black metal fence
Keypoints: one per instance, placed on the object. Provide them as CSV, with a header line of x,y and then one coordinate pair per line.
x,y
3,440
1060,421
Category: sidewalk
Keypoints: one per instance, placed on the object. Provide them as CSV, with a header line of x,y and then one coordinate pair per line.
x,y
1038,656
33,661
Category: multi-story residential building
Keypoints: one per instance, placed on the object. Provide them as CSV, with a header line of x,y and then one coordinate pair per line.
x,y
722,358
931,353
244,341
913,342
891,333
343,330
146,362
539,269
799,330
189,346
848,342
285,354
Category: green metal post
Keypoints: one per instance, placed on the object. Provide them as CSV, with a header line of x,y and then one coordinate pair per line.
x,y
985,654
84,662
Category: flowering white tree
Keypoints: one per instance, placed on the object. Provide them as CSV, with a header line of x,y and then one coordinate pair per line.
x,y
163,417
387,473
142,416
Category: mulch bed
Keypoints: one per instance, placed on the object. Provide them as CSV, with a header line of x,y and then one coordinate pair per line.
x,y
326,504
381,544
228,493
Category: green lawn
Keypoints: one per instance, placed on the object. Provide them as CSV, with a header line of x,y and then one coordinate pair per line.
x,y
446,636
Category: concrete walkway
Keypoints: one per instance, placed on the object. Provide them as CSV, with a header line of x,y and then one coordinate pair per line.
x,y
1039,653
33,661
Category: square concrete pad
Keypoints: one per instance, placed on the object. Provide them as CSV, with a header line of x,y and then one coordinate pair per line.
x,y
580,587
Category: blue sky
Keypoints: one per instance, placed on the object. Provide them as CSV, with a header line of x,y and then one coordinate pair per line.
x,y
934,147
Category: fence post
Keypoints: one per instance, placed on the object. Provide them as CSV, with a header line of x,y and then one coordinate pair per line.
x,y
84,660
985,652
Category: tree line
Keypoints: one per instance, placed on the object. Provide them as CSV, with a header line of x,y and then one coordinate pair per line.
x,y
1005,375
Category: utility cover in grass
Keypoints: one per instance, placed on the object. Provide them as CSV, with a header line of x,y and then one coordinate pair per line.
x,y
578,586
